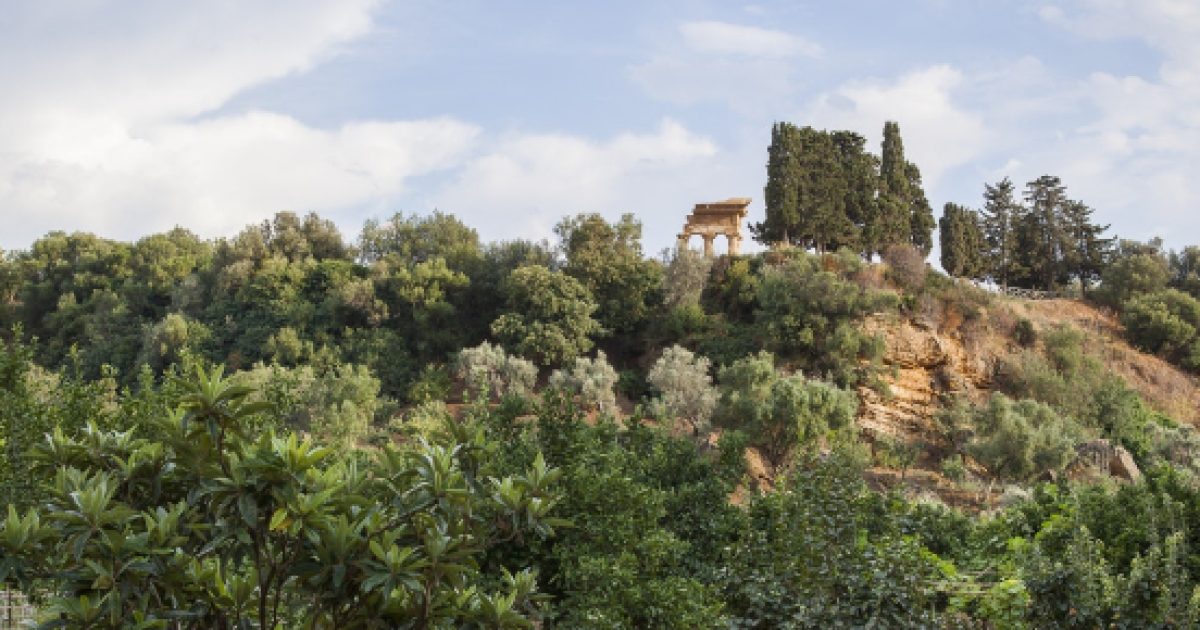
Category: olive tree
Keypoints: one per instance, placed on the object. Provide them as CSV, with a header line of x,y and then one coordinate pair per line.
x,y
594,380
490,371
687,390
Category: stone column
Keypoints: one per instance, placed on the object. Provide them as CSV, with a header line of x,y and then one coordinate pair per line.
x,y
683,241
708,244
735,244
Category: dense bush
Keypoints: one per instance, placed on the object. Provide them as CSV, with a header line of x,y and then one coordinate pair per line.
x,y
1165,323
810,315
819,553
548,316
1130,276
1024,333
1021,440
781,412
1078,387
337,402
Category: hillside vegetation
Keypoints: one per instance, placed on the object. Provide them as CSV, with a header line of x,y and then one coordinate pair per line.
x,y
284,429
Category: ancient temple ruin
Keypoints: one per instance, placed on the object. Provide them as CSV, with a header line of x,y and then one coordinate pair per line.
x,y
709,220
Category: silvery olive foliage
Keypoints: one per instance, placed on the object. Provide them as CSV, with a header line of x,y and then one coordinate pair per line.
x,y
489,372
686,385
594,380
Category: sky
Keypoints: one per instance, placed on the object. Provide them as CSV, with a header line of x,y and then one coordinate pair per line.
x,y
129,118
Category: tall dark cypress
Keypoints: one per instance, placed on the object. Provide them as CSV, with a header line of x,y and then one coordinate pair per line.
x,y
860,170
893,224
780,194
920,212
822,187
962,242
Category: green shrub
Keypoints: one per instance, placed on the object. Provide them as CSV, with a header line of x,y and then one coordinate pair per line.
x,y
811,316
548,316
434,383
1021,440
954,469
490,372
821,552
1131,276
1165,323
1024,333
684,321
781,413
337,402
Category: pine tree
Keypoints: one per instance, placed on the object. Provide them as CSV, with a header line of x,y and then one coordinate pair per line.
x,y
1000,210
780,195
962,242
1042,240
1087,251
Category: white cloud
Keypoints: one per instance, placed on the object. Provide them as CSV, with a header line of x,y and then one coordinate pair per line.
x,y
215,176
938,132
722,38
102,125
750,69
747,86
525,183
1135,152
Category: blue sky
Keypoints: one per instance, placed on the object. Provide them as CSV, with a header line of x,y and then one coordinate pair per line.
x,y
132,117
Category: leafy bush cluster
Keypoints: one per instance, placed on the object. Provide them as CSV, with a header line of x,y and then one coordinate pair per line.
x,y
209,525
781,412
1079,388
1158,297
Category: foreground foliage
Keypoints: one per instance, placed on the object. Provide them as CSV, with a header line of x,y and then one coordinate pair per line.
x,y
211,526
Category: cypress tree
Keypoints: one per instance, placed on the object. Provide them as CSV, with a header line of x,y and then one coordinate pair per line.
x,y
921,214
894,222
962,242
860,171
780,194
822,190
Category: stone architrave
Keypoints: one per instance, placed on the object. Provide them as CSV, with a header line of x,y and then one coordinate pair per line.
x,y
719,218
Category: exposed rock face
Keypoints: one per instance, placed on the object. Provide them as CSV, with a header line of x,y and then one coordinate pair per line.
x,y
922,368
